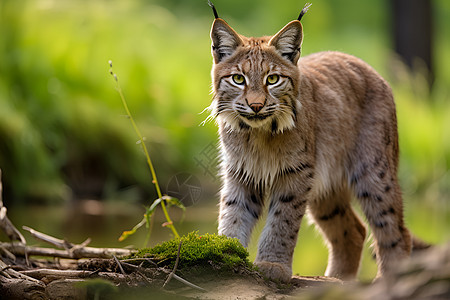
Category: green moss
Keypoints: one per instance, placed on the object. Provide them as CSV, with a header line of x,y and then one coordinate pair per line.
x,y
199,250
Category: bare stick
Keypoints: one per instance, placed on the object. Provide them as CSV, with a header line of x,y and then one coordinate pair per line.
x,y
14,274
131,266
175,276
7,254
41,273
141,259
81,246
120,266
48,239
5,224
143,276
174,267
86,252
70,250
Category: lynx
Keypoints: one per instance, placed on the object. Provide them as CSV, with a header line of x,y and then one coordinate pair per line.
x,y
305,134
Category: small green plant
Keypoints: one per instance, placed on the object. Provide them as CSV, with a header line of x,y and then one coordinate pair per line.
x,y
164,201
199,250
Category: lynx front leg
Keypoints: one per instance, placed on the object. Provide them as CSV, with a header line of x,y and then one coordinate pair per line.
x,y
240,208
279,237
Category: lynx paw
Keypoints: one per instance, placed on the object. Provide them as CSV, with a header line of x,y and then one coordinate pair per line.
x,y
274,271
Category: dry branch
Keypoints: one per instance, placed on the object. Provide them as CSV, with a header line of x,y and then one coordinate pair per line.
x,y
41,273
82,252
120,265
140,259
175,266
5,224
180,279
10,273
48,239
53,274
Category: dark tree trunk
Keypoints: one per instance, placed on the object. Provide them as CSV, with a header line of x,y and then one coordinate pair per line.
x,y
413,33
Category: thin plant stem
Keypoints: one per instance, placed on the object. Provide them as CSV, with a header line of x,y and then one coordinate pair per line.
x,y
149,161
150,222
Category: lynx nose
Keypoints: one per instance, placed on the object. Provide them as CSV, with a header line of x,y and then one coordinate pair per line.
x,y
256,107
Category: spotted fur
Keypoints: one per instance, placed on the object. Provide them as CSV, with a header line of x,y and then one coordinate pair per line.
x,y
324,132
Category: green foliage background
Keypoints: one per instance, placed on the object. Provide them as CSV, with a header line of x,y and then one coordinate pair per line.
x,y
62,130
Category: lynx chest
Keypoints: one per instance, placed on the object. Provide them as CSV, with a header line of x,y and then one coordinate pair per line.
x,y
259,157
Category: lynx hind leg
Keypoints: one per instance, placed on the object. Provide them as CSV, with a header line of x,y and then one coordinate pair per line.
x,y
373,176
384,212
343,231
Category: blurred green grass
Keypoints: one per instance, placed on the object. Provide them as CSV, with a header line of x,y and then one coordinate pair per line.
x,y
62,130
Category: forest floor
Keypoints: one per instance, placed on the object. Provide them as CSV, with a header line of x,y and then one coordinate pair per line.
x,y
425,276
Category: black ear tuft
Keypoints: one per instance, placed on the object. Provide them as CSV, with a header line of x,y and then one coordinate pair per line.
x,y
304,10
216,15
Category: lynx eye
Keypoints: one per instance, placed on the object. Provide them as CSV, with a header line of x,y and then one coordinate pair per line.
x,y
272,79
238,79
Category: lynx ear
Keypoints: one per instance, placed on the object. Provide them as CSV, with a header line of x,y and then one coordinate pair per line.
x,y
224,40
288,41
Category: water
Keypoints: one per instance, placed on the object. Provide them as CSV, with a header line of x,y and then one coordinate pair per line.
x,y
104,222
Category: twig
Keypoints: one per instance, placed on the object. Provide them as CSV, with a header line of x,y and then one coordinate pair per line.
x,y
80,246
120,266
41,273
5,224
38,274
130,266
143,276
174,267
94,272
86,252
85,243
13,273
5,268
143,259
7,253
48,239
175,276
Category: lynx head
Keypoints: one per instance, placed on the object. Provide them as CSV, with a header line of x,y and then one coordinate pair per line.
x,y
255,80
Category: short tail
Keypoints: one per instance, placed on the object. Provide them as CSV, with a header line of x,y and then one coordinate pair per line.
x,y
418,245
